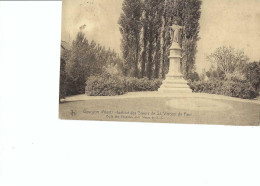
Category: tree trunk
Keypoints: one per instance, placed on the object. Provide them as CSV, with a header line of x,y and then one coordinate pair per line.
x,y
157,56
144,54
150,59
136,73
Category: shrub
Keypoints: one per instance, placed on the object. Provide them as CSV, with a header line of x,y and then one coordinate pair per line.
x,y
242,90
111,85
252,73
105,85
193,76
144,84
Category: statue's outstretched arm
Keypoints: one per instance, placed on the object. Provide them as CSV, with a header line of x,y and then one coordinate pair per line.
x,y
172,27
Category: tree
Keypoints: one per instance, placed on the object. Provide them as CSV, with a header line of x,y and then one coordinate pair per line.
x,y
155,41
252,72
166,18
65,55
87,59
228,60
130,28
152,20
215,73
189,13
144,44
78,66
158,37
63,80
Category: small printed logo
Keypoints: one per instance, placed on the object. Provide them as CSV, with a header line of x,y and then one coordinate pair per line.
x,y
73,113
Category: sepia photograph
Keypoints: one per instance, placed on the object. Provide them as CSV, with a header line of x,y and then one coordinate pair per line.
x,y
130,93
161,61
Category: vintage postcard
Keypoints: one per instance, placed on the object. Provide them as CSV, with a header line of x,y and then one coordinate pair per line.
x,y
163,61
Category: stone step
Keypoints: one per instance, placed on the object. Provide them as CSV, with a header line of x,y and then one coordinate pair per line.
x,y
174,76
174,90
174,81
174,86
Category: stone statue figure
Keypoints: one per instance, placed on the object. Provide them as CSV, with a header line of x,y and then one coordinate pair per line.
x,y
176,32
174,82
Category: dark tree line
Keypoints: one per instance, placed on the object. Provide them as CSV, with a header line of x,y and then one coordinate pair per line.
x,y
144,25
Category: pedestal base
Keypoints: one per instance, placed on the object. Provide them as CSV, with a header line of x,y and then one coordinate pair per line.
x,y
174,84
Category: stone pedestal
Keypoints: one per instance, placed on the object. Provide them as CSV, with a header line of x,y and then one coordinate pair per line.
x,y
174,82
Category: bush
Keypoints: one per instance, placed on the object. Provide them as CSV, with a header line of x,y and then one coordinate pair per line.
x,y
242,90
111,85
105,85
144,84
193,76
252,73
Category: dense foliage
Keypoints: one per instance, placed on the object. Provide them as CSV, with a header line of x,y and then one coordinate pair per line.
x,y
142,84
90,68
105,85
252,74
130,29
228,88
82,60
144,25
230,74
193,76
63,80
88,59
108,84
227,60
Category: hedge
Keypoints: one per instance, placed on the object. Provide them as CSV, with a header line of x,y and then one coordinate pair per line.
x,y
143,84
242,90
108,85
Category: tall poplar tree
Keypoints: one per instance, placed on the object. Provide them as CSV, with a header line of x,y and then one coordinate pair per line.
x,y
130,28
153,39
189,13
153,20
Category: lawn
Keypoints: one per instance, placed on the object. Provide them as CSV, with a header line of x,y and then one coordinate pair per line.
x,y
160,109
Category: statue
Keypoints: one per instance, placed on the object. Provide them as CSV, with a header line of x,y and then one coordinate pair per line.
x,y
176,32
174,82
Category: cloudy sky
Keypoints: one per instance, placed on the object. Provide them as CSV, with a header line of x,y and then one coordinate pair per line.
x,y
233,23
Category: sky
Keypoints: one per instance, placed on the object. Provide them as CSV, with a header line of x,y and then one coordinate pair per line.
x,y
234,23
100,17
